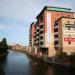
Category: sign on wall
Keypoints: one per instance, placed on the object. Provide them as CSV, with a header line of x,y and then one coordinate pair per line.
x,y
70,29
69,32
69,39
49,39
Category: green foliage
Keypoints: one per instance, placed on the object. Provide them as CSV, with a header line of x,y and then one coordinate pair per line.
x,y
72,57
62,57
61,54
3,45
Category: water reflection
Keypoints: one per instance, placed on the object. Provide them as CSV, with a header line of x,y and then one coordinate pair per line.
x,y
19,64
1,71
16,64
44,69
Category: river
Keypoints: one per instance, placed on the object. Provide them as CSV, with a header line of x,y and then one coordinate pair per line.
x,y
17,63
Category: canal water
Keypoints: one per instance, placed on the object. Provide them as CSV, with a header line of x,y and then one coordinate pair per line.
x,y
17,63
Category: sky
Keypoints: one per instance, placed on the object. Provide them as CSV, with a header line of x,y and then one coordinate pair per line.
x,y
17,15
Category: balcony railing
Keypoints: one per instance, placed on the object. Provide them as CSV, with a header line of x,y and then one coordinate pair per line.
x,y
37,33
41,45
41,29
41,35
57,45
56,39
37,38
37,41
55,27
55,33
41,40
41,24
37,28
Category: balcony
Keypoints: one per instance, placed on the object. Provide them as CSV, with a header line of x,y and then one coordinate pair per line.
x,y
56,39
41,40
41,46
37,41
41,24
30,37
56,30
55,33
56,42
41,35
37,33
55,27
37,38
37,28
57,46
41,29
34,39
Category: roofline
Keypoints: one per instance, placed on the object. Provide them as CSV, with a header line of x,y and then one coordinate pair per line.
x,y
58,7
64,17
41,11
45,8
60,11
32,24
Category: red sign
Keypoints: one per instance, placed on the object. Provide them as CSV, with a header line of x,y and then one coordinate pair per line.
x,y
69,39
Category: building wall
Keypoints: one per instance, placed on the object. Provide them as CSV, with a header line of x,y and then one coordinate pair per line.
x,y
68,45
48,18
65,35
58,46
32,34
54,16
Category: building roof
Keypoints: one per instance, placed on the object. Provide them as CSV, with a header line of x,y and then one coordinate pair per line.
x,y
65,18
60,9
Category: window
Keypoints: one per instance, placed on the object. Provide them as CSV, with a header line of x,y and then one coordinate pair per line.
x,y
69,28
56,36
55,30
68,15
69,42
68,22
56,42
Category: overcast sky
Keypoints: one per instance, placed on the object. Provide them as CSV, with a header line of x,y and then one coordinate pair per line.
x,y
17,15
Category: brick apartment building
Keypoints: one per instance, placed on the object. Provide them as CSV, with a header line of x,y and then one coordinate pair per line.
x,y
47,35
32,36
64,33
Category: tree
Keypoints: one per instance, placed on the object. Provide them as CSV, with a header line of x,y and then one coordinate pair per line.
x,y
62,57
3,45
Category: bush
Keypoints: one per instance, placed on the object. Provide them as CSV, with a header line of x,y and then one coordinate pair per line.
x,y
62,57
3,45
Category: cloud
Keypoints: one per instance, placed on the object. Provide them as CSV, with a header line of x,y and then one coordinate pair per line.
x,y
12,27
3,27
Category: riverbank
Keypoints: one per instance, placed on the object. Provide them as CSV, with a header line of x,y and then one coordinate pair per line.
x,y
1,71
2,55
47,60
